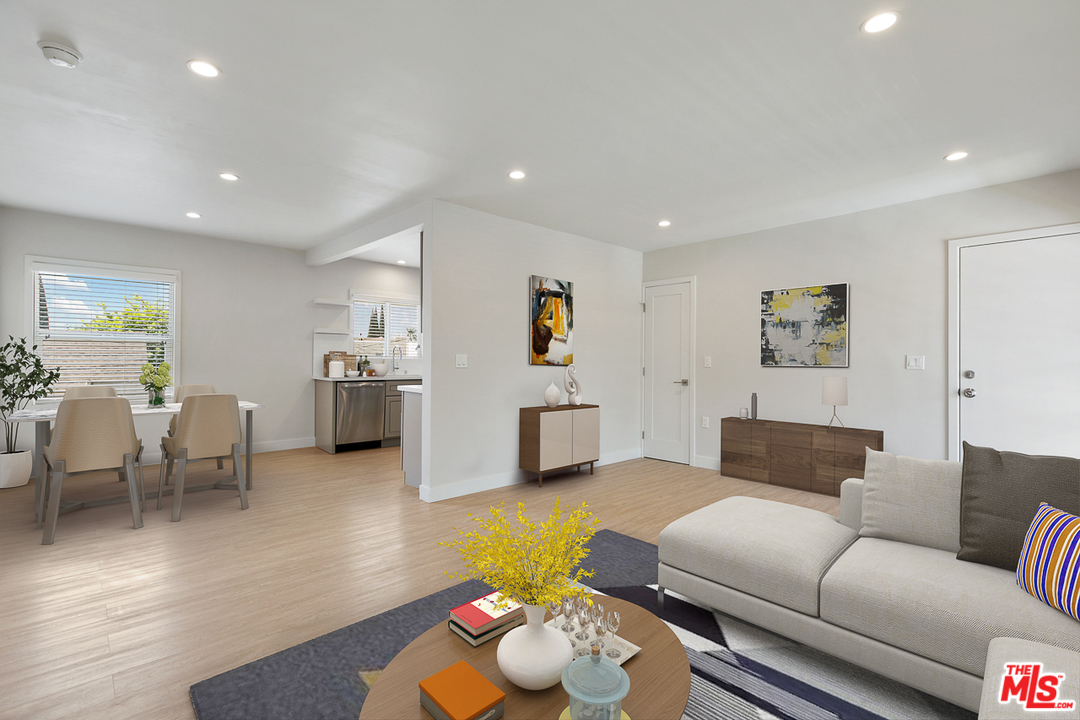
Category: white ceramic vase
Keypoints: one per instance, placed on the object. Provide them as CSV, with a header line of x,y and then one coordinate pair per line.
x,y
552,396
572,385
15,468
533,656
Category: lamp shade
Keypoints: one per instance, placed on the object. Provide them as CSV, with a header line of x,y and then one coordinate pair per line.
x,y
834,391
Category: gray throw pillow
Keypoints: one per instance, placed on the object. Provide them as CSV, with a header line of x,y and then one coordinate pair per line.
x,y
911,500
1001,492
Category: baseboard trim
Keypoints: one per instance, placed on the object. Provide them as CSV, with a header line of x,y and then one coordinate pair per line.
x,y
704,461
153,457
515,477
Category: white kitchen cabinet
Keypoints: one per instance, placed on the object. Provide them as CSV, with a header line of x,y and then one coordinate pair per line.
x,y
558,438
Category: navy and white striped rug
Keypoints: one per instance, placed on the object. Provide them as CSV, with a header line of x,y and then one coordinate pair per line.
x,y
738,672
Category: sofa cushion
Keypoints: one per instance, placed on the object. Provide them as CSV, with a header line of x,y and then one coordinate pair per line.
x,y
912,500
1001,492
771,550
929,603
1049,566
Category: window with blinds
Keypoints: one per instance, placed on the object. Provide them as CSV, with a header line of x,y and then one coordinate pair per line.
x,y
100,326
380,326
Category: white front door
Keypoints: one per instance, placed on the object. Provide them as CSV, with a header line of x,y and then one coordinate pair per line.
x,y
667,372
1018,371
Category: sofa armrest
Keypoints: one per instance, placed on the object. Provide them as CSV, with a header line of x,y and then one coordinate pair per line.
x,y
851,503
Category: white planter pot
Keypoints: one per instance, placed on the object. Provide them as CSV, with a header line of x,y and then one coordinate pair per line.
x,y
533,656
15,468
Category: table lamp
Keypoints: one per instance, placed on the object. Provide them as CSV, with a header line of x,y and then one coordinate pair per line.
x,y
834,392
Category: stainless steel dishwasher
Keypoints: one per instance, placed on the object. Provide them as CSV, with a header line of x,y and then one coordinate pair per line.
x,y
359,409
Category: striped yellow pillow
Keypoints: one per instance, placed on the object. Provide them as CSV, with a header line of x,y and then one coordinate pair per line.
x,y
1049,565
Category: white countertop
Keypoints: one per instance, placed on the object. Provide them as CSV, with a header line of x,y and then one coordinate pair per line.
x,y
418,389
384,378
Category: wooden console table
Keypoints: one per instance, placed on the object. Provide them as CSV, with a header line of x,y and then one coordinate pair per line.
x,y
557,438
806,457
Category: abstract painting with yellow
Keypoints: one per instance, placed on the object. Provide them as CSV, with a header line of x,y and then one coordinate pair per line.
x,y
805,326
551,314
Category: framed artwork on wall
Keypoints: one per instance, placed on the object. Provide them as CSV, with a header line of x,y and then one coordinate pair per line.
x,y
805,327
551,317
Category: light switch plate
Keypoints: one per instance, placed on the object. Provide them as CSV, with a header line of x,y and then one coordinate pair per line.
x,y
462,361
708,361
915,362
704,421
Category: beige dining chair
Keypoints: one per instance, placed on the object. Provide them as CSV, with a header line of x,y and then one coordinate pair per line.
x,y
90,434
183,391
87,391
208,428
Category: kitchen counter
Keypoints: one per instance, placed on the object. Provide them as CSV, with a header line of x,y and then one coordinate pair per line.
x,y
384,378
418,389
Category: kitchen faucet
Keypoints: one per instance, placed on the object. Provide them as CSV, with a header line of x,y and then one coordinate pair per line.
x,y
393,359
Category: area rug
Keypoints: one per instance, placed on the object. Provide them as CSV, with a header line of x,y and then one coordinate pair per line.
x,y
738,671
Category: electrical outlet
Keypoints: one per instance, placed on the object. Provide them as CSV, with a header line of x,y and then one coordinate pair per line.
x,y
708,361
704,421
915,362
462,361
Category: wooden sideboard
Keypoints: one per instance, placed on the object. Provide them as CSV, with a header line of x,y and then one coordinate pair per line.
x,y
795,455
556,438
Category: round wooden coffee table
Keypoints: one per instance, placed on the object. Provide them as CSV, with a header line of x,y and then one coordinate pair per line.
x,y
659,673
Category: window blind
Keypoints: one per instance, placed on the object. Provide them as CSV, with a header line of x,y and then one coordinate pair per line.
x,y
101,329
379,327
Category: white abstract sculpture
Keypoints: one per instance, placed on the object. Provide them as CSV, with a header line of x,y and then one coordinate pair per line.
x,y
572,385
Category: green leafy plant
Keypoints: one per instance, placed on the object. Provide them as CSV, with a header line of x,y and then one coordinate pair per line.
x,y
137,316
23,377
155,379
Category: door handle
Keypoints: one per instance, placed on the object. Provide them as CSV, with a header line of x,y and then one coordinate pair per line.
x,y
682,382
968,392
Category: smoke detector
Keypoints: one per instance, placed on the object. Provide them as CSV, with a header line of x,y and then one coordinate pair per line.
x,y
60,55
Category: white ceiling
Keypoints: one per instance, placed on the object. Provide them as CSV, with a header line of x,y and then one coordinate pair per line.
x,y
724,117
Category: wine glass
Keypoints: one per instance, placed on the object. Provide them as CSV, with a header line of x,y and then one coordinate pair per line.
x,y
568,614
582,607
613,622
601,631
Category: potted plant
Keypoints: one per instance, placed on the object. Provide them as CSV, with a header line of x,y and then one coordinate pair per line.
x,y
155,379
23,377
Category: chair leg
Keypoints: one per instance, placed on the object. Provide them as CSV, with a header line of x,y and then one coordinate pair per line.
x,y
54,504
133,495
161,476
41,492
168,470
238,472
178,492
142,485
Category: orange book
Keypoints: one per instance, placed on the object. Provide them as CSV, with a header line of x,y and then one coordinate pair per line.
x,y
461,693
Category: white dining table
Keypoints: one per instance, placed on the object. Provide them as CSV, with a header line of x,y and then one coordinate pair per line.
x,y
43,418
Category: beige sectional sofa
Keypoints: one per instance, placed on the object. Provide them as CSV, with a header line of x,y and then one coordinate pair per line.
x,y
881,587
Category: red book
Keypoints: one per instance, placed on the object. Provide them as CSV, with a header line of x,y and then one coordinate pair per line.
x,y
481,615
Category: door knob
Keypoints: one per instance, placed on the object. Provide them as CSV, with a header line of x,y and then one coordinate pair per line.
x,y
682,382
968,392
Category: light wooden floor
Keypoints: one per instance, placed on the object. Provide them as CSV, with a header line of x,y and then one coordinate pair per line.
x,y
113,623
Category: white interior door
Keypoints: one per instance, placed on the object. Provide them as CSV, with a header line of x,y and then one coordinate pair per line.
x,y
667,372
1019,345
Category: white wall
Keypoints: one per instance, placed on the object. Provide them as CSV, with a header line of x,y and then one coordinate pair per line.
x,y
896,261
479,267
247,310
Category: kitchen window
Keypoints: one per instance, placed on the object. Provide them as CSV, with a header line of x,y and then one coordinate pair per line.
x,y
101,323
381,325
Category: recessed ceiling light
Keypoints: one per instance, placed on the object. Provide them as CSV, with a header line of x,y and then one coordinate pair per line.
x,y
959,155
229,176
193,215
664,223
60,55
201,67
516,174
401,262
881,21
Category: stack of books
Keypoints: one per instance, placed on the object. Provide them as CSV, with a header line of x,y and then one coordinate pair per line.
x,y
479,621
461,693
